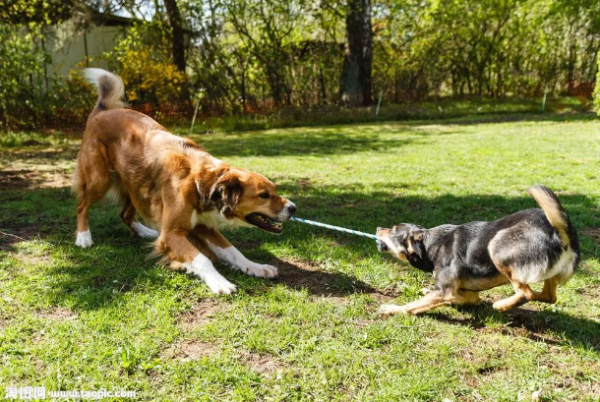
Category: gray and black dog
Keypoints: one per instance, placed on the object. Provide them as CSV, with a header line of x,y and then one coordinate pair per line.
x,y
526,247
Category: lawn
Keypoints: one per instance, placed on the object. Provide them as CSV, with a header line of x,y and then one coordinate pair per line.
x,y
109,318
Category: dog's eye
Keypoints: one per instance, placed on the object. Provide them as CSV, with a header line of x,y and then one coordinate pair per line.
x,y
265,196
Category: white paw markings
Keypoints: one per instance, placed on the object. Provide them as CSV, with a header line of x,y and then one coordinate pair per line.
x,y
261,270
220,286
144,231
84,239
203,268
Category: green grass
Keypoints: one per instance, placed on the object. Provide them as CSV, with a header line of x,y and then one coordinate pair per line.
x,y
109,318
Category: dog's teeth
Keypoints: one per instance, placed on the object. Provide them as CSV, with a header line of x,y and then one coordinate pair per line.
x,y
265,220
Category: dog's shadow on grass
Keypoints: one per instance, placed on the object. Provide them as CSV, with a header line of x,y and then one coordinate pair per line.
x,y
99,278
548,326
299,275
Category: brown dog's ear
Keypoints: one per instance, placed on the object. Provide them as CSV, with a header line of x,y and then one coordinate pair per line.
x,y
226,193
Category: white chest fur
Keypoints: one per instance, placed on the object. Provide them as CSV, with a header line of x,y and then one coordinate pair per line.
x,y
214,220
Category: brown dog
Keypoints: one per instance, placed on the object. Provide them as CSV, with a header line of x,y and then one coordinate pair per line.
x,y
174,185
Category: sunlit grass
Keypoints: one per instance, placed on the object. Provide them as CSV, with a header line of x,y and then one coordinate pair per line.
x,y
109,318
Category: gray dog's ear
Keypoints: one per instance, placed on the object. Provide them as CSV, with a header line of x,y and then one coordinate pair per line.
x,y
415,244
417,236
226,193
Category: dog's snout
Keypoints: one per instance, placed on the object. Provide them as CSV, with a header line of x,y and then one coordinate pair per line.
x,y
381,246
291,208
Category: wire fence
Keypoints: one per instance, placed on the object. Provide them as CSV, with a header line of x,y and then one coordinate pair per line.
x,y
73,122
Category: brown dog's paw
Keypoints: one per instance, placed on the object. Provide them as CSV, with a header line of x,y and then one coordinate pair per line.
x,y
391,309
260,270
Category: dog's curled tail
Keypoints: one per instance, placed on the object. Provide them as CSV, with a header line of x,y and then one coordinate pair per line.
x,y
555,213
110,88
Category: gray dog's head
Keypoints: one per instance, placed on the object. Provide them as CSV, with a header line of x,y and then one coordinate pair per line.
x,y
404,241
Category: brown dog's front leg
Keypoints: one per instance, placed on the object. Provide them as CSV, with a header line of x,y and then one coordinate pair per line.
x,y
177,247
226,252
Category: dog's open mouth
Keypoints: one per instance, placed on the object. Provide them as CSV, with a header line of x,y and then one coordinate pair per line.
x,y
265,223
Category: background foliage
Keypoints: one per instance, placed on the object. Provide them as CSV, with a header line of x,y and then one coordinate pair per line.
x,y
252,56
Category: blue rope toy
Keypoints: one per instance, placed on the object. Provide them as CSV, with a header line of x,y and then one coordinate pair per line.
x,y
339,229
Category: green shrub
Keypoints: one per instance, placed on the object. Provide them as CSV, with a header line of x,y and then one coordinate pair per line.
x,y
147,71
20,60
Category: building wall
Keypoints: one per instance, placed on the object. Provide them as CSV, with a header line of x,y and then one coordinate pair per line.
x,y
66,45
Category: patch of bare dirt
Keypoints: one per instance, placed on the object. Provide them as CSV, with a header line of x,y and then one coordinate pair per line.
x,y
190,349
592,292
583,386
304,183
571,373
58,314
593,233
30,259
201,314
486,367
505,330
11,233
361,323
334,299
33,179
40,366
384,297
262,363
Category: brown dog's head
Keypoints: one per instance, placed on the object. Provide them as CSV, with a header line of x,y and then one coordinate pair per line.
x,y
252,199
404,241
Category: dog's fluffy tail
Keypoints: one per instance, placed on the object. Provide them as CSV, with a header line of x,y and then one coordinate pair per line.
x,y
555,213
110,88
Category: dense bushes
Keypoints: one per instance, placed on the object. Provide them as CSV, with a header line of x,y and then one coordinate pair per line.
x,y
29,98
19,61
256,57
147,72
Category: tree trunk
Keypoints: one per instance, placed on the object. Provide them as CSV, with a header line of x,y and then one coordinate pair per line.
x,y
177,37
276,84
322,86
243,89
571,68
356,86
177,40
